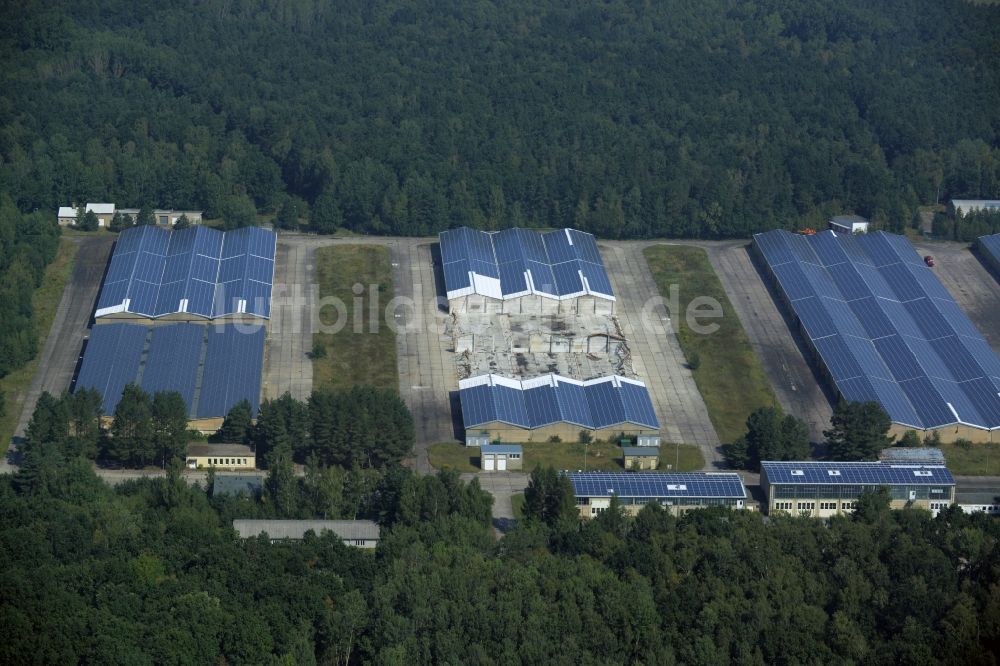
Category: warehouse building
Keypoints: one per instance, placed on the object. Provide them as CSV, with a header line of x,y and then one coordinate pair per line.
x,y
881,327
212,367
518,271
675,492
357,533
989,249
963,207
824,489
535,410
238,485
192,274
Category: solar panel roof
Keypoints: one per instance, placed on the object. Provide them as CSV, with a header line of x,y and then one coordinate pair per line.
x,y
155,272
990,246
517,262
885,327
168,357
594,404
657,484
856,473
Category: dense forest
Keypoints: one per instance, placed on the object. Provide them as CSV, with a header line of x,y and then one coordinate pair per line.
x,y
629,119
151,572
28,243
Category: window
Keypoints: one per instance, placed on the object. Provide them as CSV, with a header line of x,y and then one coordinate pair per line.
x,y
783,506
806,506
163,219
828,506
514,456
359,542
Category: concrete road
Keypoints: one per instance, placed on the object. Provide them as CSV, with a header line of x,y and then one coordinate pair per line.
x,y
426,370
63,346
775,341
287,366
502,486
972,285
656,355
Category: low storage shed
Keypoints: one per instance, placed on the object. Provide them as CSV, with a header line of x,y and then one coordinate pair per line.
x,y
225,456
500,457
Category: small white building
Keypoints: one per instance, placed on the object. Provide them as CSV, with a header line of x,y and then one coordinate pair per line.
x,y
849,224
501,457
66,215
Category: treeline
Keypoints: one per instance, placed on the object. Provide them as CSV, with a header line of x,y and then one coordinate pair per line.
x,y
966,228
361,427
710,119
358,427
151,571
28,243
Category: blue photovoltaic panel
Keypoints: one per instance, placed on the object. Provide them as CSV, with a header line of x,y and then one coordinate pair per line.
x,y
478,407
793,281
512,278
554,262
557,247
567,278
597,279
849,282
606,406
855,473
894,334
153,271
111,360
542,406
586,247
573,404
872,317
172,362
598,404
456,275
638,406
234,359
654,485
990,248
510,406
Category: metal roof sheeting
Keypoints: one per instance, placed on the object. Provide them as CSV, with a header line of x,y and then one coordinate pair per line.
x,y
167,357
885,327
156,272
534,403
856,473
658,484
516,262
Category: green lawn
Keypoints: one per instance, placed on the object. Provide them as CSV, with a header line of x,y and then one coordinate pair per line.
x,y
976,460
44,303
355,358
730,376
563,455
517,502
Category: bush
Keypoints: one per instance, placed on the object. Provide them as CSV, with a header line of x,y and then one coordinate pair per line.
x,y
694,361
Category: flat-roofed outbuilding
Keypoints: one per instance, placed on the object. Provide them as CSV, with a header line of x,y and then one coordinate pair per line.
x,y
357,533
824,489
676,492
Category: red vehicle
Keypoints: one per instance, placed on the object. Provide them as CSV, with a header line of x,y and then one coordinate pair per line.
x,y
929,260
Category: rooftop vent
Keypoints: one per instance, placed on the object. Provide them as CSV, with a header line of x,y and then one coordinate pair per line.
x,y
922,472
833,472
676,486
798,472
